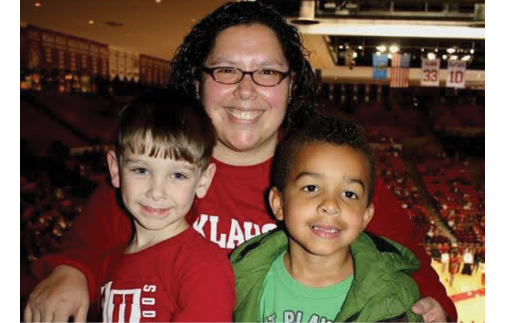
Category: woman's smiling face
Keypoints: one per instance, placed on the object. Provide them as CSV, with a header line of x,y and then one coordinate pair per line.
x,y
246,116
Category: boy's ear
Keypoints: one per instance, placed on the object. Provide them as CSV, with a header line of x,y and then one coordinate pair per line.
x,y
205,180
276,203
113,168
367,216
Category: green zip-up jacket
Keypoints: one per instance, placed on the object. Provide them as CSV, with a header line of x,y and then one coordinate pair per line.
x,y
382,289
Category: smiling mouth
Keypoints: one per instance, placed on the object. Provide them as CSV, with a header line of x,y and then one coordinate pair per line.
x,y
325,229
244,115
154,211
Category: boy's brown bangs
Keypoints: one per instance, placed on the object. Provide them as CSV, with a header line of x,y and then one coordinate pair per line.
x,y
163,146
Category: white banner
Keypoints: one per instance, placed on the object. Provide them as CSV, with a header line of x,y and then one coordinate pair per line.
x,y
456,74
430,72
132,66
135,67
113,63
128,66
121,65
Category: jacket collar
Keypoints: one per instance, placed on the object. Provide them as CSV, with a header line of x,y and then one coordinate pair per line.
x,y
375,258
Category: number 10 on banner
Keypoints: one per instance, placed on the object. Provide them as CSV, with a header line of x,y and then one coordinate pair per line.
x,y
456,74
430,72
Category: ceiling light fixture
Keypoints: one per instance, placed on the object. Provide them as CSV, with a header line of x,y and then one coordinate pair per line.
x,y
306,14
371,28
431,56
382,48
38,4
394,49
451,50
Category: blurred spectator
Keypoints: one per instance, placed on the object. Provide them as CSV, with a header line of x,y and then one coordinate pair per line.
x,y
468,260
444,258
454,266
477,259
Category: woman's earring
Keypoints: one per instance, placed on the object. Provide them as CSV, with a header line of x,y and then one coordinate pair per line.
x,y
289,99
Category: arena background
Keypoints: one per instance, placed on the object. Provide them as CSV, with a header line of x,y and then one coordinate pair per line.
x,y
80,61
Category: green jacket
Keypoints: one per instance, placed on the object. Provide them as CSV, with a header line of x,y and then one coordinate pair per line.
x,y
382,289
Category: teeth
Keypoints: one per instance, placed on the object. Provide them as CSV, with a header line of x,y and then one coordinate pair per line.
x,y
325,229
244,115
153,208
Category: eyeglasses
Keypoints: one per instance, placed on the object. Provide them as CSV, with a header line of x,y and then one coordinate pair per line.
x,y
233,75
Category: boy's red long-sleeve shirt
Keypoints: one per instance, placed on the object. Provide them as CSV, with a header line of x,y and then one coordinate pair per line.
x,y
233,211
181,279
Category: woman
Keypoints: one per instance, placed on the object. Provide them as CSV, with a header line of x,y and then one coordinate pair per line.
x,y
249,69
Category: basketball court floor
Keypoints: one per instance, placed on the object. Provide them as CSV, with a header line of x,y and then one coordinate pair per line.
x,y
467,292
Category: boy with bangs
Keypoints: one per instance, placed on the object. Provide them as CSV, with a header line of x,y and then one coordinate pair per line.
x,y
168,271
322,267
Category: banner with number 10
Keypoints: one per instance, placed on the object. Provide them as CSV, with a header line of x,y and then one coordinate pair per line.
x,y
456,74
430,72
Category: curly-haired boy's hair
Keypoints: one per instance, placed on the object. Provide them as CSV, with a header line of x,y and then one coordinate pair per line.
x,y
198,44
327,129
166,124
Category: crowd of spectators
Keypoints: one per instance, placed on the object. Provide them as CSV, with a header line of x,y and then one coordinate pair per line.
x,y
393,171
462,114
53,189
455,196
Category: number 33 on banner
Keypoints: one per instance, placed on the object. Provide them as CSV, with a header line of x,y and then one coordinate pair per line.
x,y
430,72
456,74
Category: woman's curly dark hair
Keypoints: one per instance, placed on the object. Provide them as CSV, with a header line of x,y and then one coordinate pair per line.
x,y
200,41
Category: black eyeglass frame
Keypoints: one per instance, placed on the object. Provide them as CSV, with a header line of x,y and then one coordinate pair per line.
x,y
210,71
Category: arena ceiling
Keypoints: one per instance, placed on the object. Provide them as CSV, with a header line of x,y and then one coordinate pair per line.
x,y
141,26
157,27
